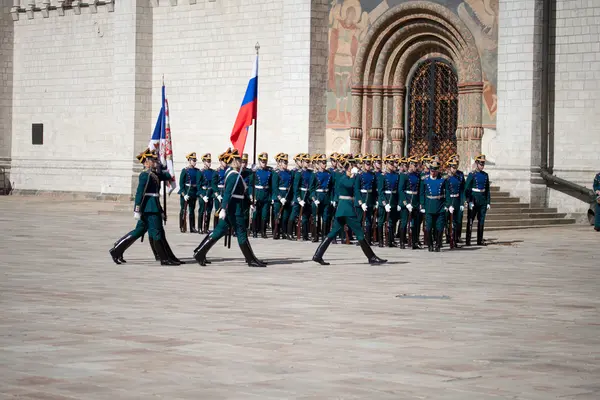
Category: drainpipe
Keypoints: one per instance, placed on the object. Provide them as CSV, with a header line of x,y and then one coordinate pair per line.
x,y
546,151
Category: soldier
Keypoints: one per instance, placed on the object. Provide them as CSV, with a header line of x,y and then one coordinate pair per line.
x,y
461,176
246,176
387,188
345,215
303,196
296,178
433,205
205,193
365,195
477,194
597,191
282,196
408,193
455,192
218,186
231,214
188,183
148,212
320,194
260,184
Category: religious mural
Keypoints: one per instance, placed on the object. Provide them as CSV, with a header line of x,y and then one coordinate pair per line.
x,y
349,21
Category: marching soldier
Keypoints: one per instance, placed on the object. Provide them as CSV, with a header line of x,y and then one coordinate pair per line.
x,y
455,198
477,194
345,215
388,202
218,186
246,176
408,192
296,177
188,183
205,192
365,195
597,191
282,196
433,205
321,188
261,196
231,213
302,196
148,213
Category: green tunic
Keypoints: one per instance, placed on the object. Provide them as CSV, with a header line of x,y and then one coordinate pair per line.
x,y
147,203
345,213
234,196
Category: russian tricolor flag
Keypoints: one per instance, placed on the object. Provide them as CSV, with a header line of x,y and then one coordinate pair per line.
x,y
247,113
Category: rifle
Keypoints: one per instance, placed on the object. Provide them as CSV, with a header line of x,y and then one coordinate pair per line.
x,y
374,226
409,229
313,225
299,223
347,232
183,219
451,231
386,228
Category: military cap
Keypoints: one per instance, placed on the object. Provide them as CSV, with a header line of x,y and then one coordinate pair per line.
x,y
298,157
367,158
343,160
403,160
413,159
245,157
146,154
376,158
191,155
480,158
231,155
206,157
455,157
263,157
306,157
334,156
425,158
358,158
389,158
434,165
452,163
282,157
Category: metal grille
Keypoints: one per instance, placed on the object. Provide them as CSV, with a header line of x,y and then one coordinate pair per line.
x,y
433,110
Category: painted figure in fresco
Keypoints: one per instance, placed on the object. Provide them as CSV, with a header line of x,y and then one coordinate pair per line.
x,y
347,25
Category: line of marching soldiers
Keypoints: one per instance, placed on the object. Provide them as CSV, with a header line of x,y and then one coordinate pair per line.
x,y
394,197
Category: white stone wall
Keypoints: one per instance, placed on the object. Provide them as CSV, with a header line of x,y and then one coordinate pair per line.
x,y
206,50
6,71
577,97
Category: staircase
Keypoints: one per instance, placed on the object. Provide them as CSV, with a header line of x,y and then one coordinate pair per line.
x,y
508,212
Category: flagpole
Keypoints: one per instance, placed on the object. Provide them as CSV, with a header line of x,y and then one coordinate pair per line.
x,y
257,47
164,182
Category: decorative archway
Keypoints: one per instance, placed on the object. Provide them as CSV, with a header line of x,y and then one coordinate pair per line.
x,y
400,39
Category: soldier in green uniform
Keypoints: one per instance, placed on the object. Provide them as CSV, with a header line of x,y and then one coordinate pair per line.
x,y
460,175
345,215
148,212
477,194
365,195
320,194
597,192
387,188
231,214
205,194
302,195
433,205
188,191
296,177
333,170
260,185
408,193
246,176
218,186
282,196
455,197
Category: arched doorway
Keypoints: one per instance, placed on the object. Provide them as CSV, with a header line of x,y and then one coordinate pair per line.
x,y
432,109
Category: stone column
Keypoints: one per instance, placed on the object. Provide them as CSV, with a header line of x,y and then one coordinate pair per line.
x,y
469,130
6,84
376,132
397,133
356,125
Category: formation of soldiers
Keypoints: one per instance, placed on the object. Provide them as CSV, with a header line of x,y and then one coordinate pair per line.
x,y
395,198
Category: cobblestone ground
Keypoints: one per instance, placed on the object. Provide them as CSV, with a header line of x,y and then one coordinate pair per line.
x,y
517,319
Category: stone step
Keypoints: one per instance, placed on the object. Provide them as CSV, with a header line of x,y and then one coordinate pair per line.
x,y
521,217
531,222
518,211
507,228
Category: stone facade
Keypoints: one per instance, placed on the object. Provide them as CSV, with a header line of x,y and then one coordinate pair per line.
x,y
6,83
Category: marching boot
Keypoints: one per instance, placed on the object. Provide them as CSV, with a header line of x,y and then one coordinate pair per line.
x,y
254,228
305,231
201,251
427,240
456,237
315,237
373,259
263,229
402,238
480,241
119,248
250,257
318,256
290,229
170,252
160,247
459,231
368,235
468,235
380,236
193,222
439,237
391,241
153,247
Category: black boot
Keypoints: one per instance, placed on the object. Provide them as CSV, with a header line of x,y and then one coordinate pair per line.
x,y
201,251
402,238
380,236
480,241
161,249
192,218
250,257
318,257
254,228
263,229
439,237
153,247
305,231
427,239
119,248
290,229
391,241
373,259
170,252
468,236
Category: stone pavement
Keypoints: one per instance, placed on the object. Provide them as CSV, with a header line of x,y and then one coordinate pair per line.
x,y
515,320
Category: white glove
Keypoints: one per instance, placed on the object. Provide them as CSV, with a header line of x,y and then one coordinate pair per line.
x,y
398,208
283,201
333,203
186,197
422,210
301,202
354,171
222,214
451,209
363,206
220,197
272,201
205,198
462,208
137,215
388,208
488,206
471,205
376,206
409,207
252,207
317,202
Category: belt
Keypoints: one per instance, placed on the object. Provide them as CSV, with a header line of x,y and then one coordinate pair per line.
x,y
220,186
365,190
434,197
410,192
478,190
237,196
323,190
151,194
454,195
304,189
283,188
261,187
346,198
187,184
389,192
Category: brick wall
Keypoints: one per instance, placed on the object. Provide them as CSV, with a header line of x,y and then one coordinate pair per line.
x,y
6,76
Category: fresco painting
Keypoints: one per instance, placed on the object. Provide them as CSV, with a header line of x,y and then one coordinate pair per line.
x,y
349,22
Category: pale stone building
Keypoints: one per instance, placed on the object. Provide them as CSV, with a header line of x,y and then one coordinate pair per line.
x,y
81,83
